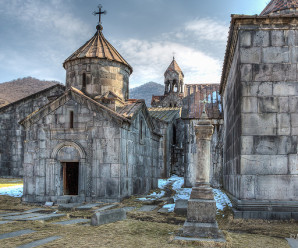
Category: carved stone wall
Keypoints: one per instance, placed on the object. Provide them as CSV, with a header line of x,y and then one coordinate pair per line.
x,y
115,159
261,110
12,134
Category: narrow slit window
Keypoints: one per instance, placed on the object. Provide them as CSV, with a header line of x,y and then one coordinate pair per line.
x,y
84,82
141,130
71,119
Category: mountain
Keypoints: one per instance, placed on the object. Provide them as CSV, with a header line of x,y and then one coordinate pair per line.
x,y
146,91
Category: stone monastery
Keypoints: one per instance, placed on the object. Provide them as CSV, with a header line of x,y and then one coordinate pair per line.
x,y
88,141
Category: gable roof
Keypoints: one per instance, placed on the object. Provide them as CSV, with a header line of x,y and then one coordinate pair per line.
x,y
78,96
14,91
279,5
174,67
98,47
165,114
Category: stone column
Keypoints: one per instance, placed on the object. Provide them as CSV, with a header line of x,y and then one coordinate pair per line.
x,y
201,210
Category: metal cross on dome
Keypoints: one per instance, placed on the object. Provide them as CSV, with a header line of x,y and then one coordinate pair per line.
x,y
99,13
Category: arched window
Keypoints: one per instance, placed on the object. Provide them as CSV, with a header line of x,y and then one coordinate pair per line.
x,y
84,82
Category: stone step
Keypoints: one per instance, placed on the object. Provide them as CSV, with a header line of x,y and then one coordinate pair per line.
x,y
147,208
15,234
293,243
40,242
72,222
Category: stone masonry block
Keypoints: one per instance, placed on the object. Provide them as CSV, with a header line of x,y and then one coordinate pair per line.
x,y
268,104
293,164
265,89
287,145
249,105
246,145
278,38
250,55
247,188
274,72
285,89
109,216
265,145
294,55
258,124
283,124
246,72
275,55
276,187
250,88
293,104
294,124
261,38
283,104
245,38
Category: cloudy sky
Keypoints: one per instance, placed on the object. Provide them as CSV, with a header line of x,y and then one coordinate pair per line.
x,y
36,36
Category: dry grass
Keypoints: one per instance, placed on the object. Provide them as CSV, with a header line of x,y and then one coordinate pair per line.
x,y
142,229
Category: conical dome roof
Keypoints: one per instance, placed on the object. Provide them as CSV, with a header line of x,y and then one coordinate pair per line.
x,y
174,67
280,5
98,47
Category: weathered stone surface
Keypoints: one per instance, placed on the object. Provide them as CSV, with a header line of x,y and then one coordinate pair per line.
x,y
181,207
293,164
110,216
72,222
250,55
246,72
275,55
258,124
246,39
201,211
268,104
5,222
249,105
16,234
105,207
46,217
147,208
202,230
40,242
261,38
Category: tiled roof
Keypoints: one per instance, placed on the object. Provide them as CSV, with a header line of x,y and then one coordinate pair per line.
x,y
14,91
98,47
279,5
165,114
174,67
193,101
132,106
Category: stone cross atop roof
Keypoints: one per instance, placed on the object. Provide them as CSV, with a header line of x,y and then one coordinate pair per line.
x,y
280,7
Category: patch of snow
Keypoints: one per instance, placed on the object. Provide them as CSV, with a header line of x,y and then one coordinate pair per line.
x,y
170,207
221,199
14,191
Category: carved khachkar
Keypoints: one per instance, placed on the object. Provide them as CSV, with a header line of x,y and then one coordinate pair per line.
x,y
201,210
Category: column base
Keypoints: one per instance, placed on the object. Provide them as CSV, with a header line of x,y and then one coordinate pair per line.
x,y
201,211
205,231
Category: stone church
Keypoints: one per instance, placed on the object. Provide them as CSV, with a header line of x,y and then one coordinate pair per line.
x,y
92,143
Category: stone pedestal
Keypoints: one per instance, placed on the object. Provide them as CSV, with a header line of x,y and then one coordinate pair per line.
x,y
201,211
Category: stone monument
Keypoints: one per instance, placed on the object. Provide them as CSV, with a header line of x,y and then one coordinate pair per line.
x,y
201,211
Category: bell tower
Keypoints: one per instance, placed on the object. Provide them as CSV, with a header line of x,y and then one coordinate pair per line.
x,y
174,79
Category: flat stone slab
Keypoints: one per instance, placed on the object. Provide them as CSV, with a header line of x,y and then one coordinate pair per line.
x,y
10,214
46,217
163,210
128,209
293,243
33,210
109,216
88,206
15,234
181,207
147,208
22,216
200,239
68,206
5,222
105,208
72,222
39,242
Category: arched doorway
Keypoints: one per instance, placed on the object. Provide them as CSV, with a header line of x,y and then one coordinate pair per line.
x,y
69,156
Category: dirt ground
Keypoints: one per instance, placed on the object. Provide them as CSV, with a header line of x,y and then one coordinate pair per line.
x,y
142,229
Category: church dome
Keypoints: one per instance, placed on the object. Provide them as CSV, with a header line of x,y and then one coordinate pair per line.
x,y
280,7
98,47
